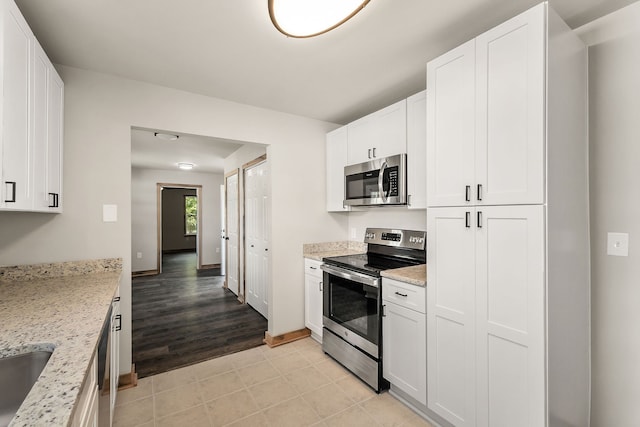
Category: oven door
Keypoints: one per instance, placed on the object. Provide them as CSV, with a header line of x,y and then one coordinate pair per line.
x,y
351,307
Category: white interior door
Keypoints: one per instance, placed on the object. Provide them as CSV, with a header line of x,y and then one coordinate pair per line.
x,y
232,233
223,231
257,270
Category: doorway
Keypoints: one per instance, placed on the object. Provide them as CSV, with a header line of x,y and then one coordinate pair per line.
x,y
179,216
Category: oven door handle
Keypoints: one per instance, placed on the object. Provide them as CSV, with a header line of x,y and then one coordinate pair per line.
x,y
351,275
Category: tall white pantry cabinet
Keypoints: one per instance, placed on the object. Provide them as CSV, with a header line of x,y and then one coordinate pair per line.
x,y
507,225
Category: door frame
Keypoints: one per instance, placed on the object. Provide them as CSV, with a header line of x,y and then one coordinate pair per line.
x,y
226,241
248,165
198,188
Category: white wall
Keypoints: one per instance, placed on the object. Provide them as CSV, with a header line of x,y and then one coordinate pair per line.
x,y
614,139
99,113
144,220
385,217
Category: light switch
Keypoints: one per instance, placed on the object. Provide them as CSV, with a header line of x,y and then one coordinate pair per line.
x,y
109,213
618,244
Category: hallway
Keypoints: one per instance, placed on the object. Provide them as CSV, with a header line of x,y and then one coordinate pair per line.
x,y
182,317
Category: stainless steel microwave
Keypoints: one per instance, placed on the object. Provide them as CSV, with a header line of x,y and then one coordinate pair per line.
x,y
377,182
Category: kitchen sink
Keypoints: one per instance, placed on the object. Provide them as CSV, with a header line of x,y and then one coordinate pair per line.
x,y
17,376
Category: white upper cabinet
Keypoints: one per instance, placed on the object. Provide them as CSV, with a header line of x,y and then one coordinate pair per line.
x,y
417,151
486,120
336,161
450,127
17,148
32,120
510,112
380,134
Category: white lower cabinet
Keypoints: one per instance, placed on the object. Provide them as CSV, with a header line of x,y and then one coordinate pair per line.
x,y
486,315
404,338
313,298
86,414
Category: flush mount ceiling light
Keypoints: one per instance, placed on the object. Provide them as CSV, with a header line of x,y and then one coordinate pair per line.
x,y
166,136
185,166
308,18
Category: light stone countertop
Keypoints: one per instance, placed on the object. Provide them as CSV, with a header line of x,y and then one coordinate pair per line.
x,y
317,251
65,314
414,275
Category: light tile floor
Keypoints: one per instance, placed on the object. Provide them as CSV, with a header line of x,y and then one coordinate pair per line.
x,y
291,385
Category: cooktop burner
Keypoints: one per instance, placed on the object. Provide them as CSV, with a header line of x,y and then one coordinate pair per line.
x,y
368,263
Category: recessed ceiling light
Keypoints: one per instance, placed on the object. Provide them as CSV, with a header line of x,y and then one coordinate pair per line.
x,y
308,18
186,166
166,136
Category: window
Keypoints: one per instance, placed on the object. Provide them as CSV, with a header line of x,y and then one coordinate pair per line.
x,y
190,215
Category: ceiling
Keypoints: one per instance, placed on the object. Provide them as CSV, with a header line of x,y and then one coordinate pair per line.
x,y
207,154
230,50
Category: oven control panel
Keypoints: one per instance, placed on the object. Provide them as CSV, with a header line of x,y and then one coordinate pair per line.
x,y
410,239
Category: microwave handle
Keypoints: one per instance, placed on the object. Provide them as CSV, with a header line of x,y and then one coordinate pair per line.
x,y
381,182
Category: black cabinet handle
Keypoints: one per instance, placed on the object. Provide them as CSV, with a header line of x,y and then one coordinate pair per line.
x,y
467,219
54,200
374,152
13,192
384,314
401,295
369,153
320,286
479,219
118,319
116,299
467,193
479,190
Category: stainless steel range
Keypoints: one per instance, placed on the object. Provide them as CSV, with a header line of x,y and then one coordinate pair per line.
x,y
352,299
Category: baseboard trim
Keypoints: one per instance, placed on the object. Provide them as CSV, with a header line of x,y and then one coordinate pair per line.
x,y
129,380
285,338
208,266
144,273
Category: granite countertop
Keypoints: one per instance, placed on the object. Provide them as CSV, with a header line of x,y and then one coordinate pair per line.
x,y
317,251
60,307
415,275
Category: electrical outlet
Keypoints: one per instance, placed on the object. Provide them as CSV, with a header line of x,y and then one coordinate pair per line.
x,y
139,255
618,244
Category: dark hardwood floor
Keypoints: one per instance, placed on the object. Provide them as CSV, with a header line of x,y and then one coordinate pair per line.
x,y
182,317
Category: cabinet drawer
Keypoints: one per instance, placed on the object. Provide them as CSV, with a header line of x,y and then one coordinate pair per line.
x,y
312,267
404,294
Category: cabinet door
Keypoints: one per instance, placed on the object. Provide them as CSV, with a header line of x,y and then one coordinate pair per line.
x,y
510,136
336,161
451,314
55,138
389,135
313,305
417,151
114,360
510,322
404,350
360,135
17,189
450,127
39,122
